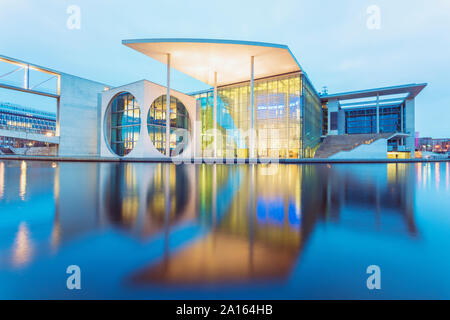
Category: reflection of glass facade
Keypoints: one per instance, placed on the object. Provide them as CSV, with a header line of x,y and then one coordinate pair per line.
x,y
156,124
365,120
123,123
282,104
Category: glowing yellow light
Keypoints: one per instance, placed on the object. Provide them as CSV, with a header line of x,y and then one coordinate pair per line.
x,y
49,134
23,180
22,251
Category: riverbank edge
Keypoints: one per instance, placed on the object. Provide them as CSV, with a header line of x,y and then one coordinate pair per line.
x,y
211,161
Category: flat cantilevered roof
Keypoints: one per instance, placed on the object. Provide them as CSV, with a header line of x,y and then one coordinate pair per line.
x,y
201,58
411,89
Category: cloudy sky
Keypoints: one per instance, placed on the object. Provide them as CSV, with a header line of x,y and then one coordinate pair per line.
x,y
330,39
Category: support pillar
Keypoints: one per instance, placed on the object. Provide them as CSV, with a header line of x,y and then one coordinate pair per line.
x,y
378,113
215,115
168,108
333,117
410,141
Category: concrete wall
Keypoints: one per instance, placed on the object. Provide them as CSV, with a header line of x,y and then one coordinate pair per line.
x,y
333,106
375,150
78,114
145,93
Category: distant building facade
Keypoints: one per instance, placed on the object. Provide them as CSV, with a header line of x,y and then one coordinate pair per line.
x,y
19,118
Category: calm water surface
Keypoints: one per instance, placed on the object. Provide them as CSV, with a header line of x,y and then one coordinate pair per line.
x,y
161,231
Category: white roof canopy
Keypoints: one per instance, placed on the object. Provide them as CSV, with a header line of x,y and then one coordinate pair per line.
x,y
201,58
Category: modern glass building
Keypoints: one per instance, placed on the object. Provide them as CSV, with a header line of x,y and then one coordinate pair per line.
x,y
261,103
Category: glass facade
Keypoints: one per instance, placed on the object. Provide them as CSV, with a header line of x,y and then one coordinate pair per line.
x,y
123,123
179,125
281,105
312,117
365,120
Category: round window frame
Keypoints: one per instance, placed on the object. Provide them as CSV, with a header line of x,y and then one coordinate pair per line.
x,y
108,114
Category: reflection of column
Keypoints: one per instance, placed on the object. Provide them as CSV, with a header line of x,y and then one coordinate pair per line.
x,y
437,177
447,174
377,203
167,210
252,103
23,180
56,232
251,214
214,197
2,179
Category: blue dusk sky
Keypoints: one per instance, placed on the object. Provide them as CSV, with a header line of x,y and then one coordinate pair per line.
x,y
330,39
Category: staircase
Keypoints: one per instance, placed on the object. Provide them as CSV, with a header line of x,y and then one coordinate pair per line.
x,y
6,150
334,144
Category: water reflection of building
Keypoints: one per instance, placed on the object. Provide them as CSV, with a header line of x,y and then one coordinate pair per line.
x,y
255,228
256,225
261,233
144,198
377,197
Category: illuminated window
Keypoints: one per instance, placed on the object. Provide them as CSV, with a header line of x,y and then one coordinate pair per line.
x,y
179,125
122,123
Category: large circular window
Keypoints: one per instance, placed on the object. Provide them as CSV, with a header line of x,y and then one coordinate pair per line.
x,y
122,123
179,125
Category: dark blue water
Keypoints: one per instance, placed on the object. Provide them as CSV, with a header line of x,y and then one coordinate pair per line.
x,y
140,230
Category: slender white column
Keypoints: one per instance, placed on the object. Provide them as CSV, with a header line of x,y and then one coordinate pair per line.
x,y
252,85
378,113
168,108
215,115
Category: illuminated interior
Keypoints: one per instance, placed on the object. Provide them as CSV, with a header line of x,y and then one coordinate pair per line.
x,y
179,125
280,104
123,123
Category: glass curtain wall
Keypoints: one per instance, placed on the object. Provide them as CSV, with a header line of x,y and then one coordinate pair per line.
x,y
278,121
312,119
364,120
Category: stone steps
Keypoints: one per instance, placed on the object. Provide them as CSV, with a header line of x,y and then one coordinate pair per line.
x,y
334,144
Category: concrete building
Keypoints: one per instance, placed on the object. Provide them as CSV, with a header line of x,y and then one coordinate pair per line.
x,y
261,104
